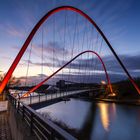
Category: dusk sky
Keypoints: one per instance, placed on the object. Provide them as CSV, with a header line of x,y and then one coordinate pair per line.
x,y
119,20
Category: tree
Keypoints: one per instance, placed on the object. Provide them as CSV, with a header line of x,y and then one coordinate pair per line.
x,y
13,81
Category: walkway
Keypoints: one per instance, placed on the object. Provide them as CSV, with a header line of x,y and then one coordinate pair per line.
x,y
37,99
5,133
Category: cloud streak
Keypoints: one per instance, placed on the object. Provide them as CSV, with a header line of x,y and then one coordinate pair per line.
x,y
131,63
114,70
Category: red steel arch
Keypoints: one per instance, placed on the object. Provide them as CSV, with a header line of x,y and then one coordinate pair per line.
x,y
42,20
88,51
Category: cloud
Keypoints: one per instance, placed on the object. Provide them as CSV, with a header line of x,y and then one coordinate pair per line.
x,y
84,78
15,32
87,78
91,75
49,48
12,30
113,67
6,57
108,15
130,62
42,75
42,64
31,79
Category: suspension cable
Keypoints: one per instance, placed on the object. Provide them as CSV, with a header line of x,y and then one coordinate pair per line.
x,y
107,77
27,71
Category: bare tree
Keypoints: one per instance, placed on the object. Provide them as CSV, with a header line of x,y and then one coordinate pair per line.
x,y
13,81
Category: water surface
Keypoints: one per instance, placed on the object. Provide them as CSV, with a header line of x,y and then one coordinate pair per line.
x,y
97,121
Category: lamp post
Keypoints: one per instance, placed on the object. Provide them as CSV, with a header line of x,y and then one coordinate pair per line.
x,y
103,83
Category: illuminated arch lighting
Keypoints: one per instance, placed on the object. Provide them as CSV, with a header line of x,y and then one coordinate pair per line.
x,y
88,51
42,20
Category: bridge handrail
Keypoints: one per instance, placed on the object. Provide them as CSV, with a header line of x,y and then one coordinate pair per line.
x,y
42,128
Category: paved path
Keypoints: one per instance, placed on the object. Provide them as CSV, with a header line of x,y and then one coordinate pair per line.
x,y
3,106
5,133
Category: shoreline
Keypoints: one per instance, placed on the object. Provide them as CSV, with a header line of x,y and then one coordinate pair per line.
x,y
125,102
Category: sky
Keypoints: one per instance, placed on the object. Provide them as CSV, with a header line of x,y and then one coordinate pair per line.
x,y
119,20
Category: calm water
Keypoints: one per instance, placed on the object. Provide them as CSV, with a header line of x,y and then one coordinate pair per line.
x,y
97,121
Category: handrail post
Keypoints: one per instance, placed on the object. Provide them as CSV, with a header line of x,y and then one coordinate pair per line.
x,y
15,102
12,100
31,122
18,106
52,135
39,97
30,98
23,111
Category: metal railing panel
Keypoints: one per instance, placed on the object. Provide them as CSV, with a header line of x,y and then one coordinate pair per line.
x,y
43,128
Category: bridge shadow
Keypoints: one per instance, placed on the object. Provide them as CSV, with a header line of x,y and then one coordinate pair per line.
x,y
86,130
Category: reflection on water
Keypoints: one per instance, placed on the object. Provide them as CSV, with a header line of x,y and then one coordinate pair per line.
x,y
104,115
97,121
105,111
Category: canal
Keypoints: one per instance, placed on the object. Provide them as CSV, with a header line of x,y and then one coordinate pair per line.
x,y
95,121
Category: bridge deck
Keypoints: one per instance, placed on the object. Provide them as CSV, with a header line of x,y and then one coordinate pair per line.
x,y
42,98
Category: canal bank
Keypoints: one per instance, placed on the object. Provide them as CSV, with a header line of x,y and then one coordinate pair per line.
x,y
118,101
126,102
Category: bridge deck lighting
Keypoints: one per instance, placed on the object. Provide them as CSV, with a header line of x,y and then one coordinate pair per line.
x,y
103,82
112,94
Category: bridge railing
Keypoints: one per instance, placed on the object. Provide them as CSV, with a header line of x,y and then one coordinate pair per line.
x,y
44,129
